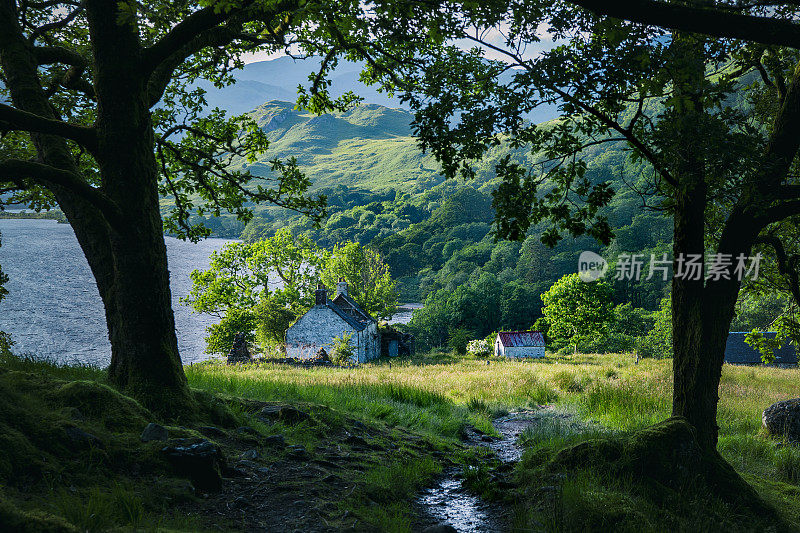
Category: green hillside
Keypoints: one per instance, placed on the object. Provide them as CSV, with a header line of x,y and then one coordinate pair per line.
x,y
369,147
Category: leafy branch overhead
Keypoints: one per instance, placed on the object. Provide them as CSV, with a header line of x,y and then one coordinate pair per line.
x,y
193,146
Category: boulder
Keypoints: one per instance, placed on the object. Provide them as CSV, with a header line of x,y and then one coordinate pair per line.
x,y
199,460
783,419
251,454
82,439
322,356
239,352
274,440
154,432
297,452
211,432
283,413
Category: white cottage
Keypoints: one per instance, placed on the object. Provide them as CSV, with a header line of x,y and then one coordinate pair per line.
x,y
519,344
333,318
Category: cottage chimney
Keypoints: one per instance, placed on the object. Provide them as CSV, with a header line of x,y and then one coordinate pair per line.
x,y
320,295
341,287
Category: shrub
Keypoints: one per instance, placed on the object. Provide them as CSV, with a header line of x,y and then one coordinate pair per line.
x,y
479,348
342,352
614,342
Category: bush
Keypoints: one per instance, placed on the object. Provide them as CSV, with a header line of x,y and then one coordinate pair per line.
x,y
220,336
479,348
658,342
342,352
614,342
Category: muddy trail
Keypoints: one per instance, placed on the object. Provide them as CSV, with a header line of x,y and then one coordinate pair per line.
x,y
449,504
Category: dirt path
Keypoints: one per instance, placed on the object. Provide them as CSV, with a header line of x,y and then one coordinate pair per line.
x,y
449,503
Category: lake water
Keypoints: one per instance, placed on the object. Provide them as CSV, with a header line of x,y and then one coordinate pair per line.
x,y
53,308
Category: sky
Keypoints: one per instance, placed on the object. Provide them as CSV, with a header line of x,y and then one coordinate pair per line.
x,y
494,36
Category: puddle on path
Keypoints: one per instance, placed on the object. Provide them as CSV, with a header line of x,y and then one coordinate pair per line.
x,y
448,502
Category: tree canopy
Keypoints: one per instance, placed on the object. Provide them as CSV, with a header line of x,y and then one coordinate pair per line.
x,y
576,310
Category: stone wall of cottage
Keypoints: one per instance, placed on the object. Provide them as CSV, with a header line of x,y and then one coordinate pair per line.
x,y
317,329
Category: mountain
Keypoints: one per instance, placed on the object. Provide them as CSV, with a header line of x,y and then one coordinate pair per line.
x,y
369,147
277,79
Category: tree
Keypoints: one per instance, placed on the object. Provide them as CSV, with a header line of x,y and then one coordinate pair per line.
x,y
632,85
576,310
100,118
236,288
368,278
5,338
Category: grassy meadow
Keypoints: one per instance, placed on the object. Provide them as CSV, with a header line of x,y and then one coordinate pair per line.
x,y
440,393
408,417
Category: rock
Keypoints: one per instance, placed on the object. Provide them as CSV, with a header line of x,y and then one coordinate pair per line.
x,y
247,430
81,438
154,432
250,454
440,528
274,440
211,431
667,453
284,413
355,440
199,460
783,419
239,352
297,452
322,356
247,465
241,501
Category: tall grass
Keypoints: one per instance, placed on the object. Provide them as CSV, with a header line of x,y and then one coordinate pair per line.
x,y
439,393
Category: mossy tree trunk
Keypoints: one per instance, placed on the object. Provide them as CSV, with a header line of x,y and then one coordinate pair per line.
x,y
118,225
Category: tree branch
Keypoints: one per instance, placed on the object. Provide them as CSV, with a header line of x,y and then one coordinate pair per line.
x,y
709,21
182,34
12,118
198,31
47,55
786,265
41,30
12,169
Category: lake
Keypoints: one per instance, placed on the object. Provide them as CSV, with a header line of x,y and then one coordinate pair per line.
x,y
53,308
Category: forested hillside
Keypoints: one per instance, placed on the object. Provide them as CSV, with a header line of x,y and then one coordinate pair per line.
x,y
436,234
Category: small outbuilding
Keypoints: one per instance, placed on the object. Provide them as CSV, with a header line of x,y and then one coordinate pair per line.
x,y
329,319
738,352
519,344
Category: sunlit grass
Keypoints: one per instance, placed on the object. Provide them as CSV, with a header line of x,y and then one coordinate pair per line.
x,y
439,393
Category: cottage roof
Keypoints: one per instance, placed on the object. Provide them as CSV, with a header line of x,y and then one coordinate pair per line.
x,y
355,324
521,338
352,309
737,351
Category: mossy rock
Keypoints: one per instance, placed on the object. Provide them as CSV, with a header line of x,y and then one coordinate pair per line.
x,y
664,456
13,519
98,401
214,410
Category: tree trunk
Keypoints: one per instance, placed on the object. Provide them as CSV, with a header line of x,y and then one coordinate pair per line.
x,y
702,310
695,383
129,263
